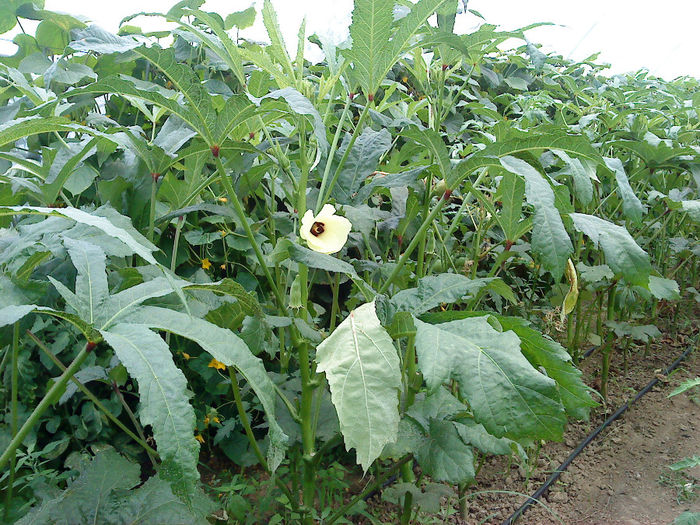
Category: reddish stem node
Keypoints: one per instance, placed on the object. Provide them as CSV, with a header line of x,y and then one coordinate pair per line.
x,y
215,150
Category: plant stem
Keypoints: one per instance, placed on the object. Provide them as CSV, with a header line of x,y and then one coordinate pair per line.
x,y
240,212
176,242
329,161
132,417
344,158
334,306
407,508
412,245
368,489
251,437
47,400
152,212
13,408
151,452
243,416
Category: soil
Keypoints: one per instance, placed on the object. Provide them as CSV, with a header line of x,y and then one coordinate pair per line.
x,y
622,477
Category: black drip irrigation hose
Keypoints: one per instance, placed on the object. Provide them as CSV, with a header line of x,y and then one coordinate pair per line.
x,y
555,476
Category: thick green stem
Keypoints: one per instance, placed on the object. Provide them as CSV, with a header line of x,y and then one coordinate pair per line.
x,y
334,306
13,408
307,430
243,416
151,452
240,212
45,403
152,212
412,245
407,510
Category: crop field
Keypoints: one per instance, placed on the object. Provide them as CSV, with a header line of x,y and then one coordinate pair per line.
x,y
429,278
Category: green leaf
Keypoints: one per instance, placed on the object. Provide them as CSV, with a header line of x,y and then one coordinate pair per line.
x,y
14,130
121,303
82,217
511,192
687,518
436,405
86,498
544,352
554,139
362,368
301,105
622,254
631,204
240,19
222,45
444,456
277,48
375,47
91,288
663,288
163,402
594,274
101,494
474,434
228,348
506,393
247,300
434,290
13,313
390,180
692,208
583,187
361,162
549,237
318,260
432,140
685,386
428,497
96,40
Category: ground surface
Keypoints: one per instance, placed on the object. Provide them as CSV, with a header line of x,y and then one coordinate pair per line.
x,y
616,479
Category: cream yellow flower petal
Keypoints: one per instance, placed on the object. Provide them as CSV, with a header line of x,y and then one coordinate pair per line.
x,y
306,222
326,232
328,210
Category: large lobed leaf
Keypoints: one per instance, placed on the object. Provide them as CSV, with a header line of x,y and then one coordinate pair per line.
x,y
508,396
228,348
104,493
622,253
163,402
375,49
362,368
549,236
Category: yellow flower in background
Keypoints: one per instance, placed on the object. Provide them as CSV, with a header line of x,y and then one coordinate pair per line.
x,y
199,438
216,364
326,232
206,264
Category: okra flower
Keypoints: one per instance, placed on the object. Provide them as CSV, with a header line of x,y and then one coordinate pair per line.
x,y
326,232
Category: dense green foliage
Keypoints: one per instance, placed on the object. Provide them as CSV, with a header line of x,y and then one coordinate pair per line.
x,y
151,194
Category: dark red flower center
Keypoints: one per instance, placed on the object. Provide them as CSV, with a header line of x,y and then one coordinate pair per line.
x,y
317,228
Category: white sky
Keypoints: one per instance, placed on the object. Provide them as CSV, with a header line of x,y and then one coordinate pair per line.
x,y
630,34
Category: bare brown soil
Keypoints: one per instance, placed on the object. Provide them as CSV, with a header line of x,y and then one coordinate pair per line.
x,y
622,477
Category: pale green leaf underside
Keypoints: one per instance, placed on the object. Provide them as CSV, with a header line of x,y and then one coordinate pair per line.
x,y
362,368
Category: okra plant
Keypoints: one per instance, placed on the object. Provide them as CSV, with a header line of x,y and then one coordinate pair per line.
x,y
242,254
